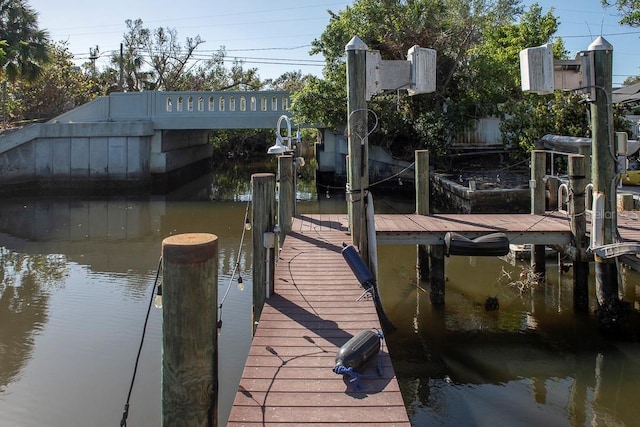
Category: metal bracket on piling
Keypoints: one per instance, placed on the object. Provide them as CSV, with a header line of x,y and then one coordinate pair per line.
x,y
615,250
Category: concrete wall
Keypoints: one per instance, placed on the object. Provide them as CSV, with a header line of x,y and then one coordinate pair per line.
x,y
128,138
450,197
79,152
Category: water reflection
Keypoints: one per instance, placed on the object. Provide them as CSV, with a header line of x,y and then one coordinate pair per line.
x,y
26,283
532,361
76,275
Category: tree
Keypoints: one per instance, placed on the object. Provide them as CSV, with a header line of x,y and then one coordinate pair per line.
x,y
454,28
61,87
629,9
494,71
214,75
154,59
291,81
531,118
25,45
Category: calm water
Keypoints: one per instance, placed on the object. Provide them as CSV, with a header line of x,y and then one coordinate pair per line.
x,y
77,276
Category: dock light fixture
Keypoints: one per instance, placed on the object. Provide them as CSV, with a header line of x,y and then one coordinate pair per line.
x,y
279,147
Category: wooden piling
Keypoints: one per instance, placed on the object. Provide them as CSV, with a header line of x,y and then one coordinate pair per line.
x,y
576,208
422,207
286,195
263,187
189,332
603,168
553,184
538,172
357,124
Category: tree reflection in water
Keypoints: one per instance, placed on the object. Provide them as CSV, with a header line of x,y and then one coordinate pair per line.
x,y
26,282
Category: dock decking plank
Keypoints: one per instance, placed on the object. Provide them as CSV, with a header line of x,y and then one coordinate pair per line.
x,y
288,377
316,308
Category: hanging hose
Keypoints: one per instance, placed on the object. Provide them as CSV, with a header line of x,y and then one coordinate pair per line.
x,y
125,413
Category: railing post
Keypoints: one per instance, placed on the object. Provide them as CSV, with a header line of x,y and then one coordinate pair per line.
x,y
286,195
263,188
538,171
189,331
576,208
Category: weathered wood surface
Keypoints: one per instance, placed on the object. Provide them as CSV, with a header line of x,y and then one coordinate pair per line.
x,y
288,377
189,342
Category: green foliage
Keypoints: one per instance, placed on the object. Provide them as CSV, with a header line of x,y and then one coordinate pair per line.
x,y
535,116
60,87
494,70
321,101
214,75
628,9
24,44
292,82
477,44
247,145
154,59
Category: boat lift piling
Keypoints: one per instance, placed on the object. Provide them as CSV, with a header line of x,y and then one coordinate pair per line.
x,y
538,192
577,214
422,208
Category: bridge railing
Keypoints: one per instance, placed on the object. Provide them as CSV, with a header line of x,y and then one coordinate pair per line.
x,y
155,104
221,102
186,110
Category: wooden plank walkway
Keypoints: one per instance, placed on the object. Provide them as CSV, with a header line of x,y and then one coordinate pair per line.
x,y
288,377
550,229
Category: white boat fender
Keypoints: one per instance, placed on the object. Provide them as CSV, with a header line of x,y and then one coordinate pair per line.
x,y
356,353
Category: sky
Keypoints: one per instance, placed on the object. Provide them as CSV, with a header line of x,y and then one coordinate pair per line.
x,y
275,36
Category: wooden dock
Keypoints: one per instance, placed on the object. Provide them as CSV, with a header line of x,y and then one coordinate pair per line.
x,y
288,377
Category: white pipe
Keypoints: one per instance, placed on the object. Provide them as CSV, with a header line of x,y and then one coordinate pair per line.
x,y
286,119
597,221
268,271
563,190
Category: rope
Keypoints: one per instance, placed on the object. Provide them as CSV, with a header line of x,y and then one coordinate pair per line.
x,y
125,413
235,266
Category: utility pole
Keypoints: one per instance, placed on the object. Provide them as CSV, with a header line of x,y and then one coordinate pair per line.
x,y
603,172
121,79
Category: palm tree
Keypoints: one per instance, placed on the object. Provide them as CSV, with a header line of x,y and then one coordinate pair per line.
x,y
23,44
26,45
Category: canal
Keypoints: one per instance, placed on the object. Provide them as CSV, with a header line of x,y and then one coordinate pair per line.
x,y
77,276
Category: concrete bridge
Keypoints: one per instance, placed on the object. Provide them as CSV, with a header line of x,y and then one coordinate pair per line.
x,y
130,139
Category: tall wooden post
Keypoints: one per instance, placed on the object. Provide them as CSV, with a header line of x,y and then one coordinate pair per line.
x,y
263,188
189,332
538,171
357,124
422,207
576,208
603,168
286,195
